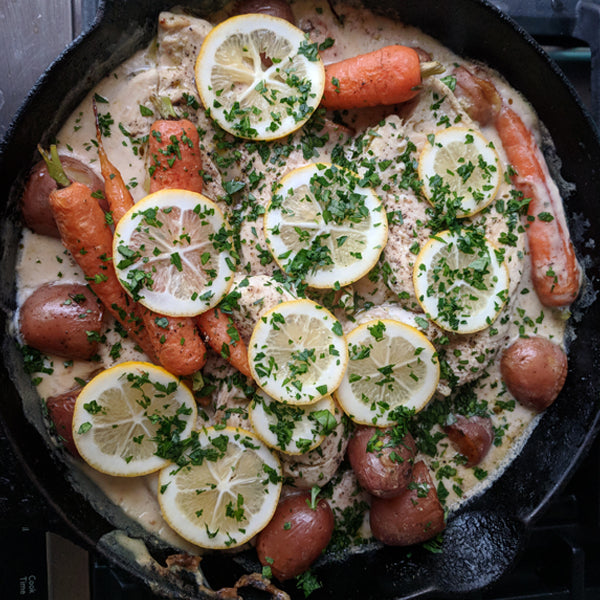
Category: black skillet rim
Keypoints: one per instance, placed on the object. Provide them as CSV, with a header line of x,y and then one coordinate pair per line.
x,y
498,518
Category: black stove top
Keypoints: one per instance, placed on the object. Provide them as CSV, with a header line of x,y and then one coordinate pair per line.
x,y
562,557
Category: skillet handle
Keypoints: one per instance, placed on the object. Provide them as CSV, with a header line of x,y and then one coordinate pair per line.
x,y
85,13
587,27
479,547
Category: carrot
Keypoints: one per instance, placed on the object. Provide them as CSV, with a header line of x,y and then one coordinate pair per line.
x,y
176,341
117,195
390,75
176,163
87,236
174,156
555,272
223,337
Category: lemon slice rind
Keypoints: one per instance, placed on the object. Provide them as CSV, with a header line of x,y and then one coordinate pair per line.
x,y
227,498
115,424
392,365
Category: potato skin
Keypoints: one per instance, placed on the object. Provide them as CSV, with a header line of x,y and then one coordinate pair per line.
x,y
60,410
472,437
35,206
386,471
409,519
55,319
296,536
534,370
275,8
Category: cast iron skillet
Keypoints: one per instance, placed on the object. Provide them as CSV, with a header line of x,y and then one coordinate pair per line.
x,y
485,535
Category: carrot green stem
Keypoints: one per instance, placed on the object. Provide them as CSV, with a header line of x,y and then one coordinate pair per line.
x,y
164,106
55,168
432,67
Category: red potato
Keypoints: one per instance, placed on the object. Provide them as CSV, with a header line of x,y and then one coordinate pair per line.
x,y
534,370
413,517
480,98
472,437
275,8
64,319
382,467
295,536
35,205
60,410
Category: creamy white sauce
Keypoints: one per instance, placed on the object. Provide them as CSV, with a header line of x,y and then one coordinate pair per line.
x,y
43,260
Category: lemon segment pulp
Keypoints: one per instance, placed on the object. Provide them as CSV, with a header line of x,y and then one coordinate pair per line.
x,y
297,352
289,428
460,171
460,282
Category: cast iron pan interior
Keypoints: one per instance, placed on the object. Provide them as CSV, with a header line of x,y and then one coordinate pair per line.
x,y
485,535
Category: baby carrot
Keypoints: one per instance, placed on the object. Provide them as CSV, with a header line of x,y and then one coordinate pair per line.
x,y
87,236
390,75
175,163
223,337
174,156
555,271
117,195
176,341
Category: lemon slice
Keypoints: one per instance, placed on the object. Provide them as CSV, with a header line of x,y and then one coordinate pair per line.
x,y
170,253
298,352
459,282
323,227
392,366
259,76
227,494
460,171
292,429
128,413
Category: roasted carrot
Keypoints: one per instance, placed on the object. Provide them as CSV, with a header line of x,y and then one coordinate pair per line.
x,y
390,75
117,194
87,236
175,342
222,335
555,272
176,163
174,156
